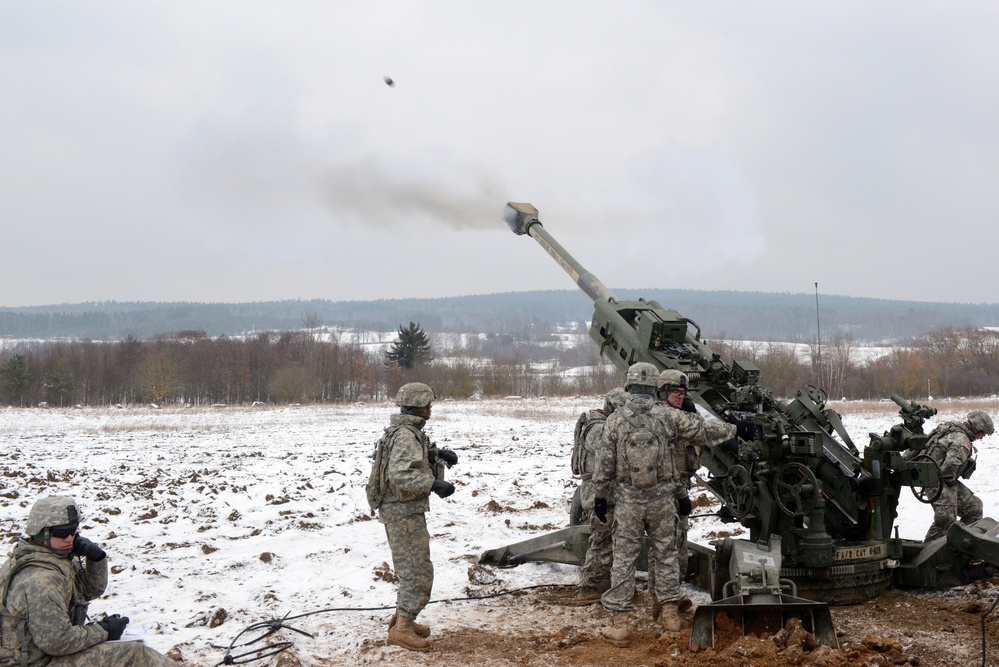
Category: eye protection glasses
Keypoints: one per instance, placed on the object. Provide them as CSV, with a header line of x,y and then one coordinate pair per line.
x,y
62,532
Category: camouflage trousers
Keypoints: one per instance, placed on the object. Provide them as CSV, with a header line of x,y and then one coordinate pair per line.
x,y
600,553
954,501
409,542
632,520
112,654
682,552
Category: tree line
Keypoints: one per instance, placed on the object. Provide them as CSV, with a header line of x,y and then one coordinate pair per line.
x,y
946,362
193,368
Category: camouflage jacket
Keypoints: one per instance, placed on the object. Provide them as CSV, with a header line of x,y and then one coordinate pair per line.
x,y
951,445
44,596
410,470
673,428
687,456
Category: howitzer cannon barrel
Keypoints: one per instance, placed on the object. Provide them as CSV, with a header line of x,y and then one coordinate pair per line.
x,y
626,331
523,219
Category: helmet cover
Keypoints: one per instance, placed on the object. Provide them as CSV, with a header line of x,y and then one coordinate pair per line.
x,y
642,374
52,512
615,399
672,377
414,395
981,421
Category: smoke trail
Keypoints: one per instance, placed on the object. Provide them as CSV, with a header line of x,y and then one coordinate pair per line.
x,y
262,177
385,195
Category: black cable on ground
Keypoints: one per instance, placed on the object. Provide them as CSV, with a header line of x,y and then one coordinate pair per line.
x,y
270,627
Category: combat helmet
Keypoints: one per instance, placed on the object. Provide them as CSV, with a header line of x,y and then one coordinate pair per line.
x,y
642,374
414,395
52,512
615,399
981,421
672,377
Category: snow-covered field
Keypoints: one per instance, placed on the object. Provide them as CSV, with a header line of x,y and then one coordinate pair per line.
x,y
261,512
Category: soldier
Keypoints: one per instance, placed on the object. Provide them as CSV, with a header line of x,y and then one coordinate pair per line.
x,y
686,460
411,469
672,393
594,577
636,461
45,588
950,445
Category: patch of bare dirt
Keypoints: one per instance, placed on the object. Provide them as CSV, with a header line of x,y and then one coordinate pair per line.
x,y
900,628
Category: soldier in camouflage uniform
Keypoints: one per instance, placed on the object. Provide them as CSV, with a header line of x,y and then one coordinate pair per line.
x,y
594,577
672,393
951,446
414,470
636,460
686,460
45,588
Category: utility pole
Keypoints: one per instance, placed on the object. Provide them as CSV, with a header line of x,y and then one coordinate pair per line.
x,y
818,331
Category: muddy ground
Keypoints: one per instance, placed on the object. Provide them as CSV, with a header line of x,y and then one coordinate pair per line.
x,y
905,628
541,627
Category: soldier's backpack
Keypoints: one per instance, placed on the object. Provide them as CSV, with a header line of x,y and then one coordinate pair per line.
x,y
642,453
584,425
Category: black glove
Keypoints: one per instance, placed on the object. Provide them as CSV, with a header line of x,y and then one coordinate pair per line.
x,y
448,457
600,509
746,429
115,625
688,405
731,446
442,488
683,507
84,547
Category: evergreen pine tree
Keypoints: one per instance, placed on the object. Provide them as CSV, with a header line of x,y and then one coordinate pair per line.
x,y
15,379
410,349
59,380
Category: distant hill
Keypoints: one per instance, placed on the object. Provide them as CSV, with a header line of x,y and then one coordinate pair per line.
x,y
728,314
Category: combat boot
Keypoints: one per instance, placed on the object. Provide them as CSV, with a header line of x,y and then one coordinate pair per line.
x,y
586,596
418,628
401,633
619,633
669,618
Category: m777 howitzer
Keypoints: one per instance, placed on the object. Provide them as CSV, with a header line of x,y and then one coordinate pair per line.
x,y
803,479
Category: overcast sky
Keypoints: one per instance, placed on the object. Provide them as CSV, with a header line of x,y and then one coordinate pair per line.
x,y
250,151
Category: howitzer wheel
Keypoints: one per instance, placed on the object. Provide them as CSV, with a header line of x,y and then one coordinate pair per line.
x,y
927,494
738,491
796,489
